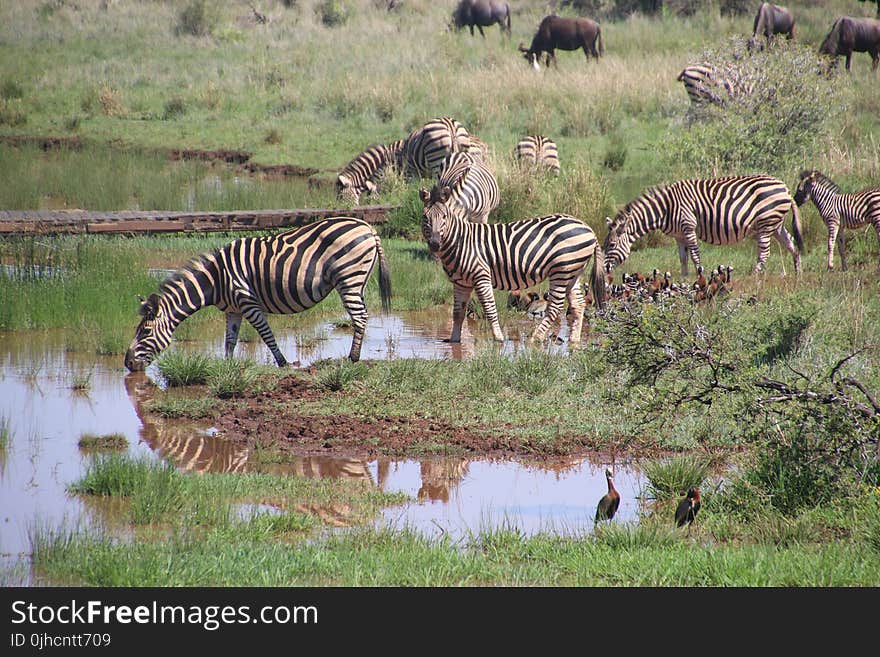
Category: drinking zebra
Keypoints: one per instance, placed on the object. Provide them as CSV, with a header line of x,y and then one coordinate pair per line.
x,y
538,150
839,210
284,273
471,186
717,211
361,174
513,256
703,85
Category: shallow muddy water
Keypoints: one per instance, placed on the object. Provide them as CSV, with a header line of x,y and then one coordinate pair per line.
x,y
44,416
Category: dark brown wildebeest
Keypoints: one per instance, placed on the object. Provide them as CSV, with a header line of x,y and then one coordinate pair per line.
x,y
482,13
849,35
770,21
566,34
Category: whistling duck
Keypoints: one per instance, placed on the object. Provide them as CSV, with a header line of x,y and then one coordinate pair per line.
x,y
700,283
688,508
607,506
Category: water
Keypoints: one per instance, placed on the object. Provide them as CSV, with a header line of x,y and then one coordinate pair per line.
x,y
45,416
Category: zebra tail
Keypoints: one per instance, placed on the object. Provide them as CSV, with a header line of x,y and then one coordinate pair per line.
x,y
597,277
384,278
796,227
601,47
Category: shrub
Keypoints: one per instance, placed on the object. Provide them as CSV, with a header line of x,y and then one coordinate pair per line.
x,y
182,369
231,378
671,478
333,12
781,109
198,18
173,108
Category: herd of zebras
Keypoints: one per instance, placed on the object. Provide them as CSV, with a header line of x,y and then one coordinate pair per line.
x,y
293,271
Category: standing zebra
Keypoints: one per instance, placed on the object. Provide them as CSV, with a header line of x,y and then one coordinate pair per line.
x,y
360,175
839,210
514,256
471,186
717,211
284,273
424,150
538,150
703,85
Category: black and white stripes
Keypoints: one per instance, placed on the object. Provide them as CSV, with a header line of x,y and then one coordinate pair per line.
x,y
472,188
839,210
514,256
704,86
284,273
716,211
538,150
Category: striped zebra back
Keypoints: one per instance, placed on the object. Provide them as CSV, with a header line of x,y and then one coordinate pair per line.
x,y
424,150
538,150
473,187
703,85
852,210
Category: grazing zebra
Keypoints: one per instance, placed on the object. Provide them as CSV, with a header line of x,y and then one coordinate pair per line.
x,y
703,85
839,210
284,273
360,175
514,256
423,151
717,211
538,150
472,187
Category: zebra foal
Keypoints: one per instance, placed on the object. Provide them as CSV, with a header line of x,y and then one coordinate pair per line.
x,y
714,210
481,257
839,210
284,274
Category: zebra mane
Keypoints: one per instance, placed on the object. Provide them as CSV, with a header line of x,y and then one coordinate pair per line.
x,y
194,264
820,177
624,216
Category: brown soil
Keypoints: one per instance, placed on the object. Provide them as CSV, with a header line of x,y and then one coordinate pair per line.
x,y
269,420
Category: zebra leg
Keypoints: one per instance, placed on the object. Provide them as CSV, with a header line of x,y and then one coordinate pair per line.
x,y
460,297
483,288
353,302
763,251
554,308
784,238
253,314
233,324
576,306
841,249
833,228
683,256
692,245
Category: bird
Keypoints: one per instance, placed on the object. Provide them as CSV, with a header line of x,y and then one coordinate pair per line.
x,y
688,508
607,506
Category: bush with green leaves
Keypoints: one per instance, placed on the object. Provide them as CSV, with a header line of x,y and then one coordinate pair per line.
x,y
781,109
197,18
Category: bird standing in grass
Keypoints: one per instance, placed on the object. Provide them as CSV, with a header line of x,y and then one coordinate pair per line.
x,y
688,508
607,506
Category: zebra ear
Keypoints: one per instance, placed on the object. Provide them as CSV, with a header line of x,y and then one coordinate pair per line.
x,y
445,193
150,307
608,221
370,186
425,195
343,180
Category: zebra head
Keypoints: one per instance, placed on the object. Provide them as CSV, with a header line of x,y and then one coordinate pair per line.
x,y
618,241
437,215
805,187
152,335
348,191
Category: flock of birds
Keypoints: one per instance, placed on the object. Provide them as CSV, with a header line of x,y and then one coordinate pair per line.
x,y
637,288
685,512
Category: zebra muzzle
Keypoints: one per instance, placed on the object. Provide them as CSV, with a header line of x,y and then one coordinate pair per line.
x,y
132,364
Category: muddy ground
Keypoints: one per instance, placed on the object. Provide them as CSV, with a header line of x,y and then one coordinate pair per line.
x,y
255,421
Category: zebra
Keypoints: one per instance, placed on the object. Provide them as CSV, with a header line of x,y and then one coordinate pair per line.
x,y
359,176
839,210
472,187
513,256
424,150
284,273
703,85
539,150
717,211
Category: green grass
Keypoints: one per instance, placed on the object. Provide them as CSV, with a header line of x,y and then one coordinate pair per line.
x,y
673,477
5,432
110,442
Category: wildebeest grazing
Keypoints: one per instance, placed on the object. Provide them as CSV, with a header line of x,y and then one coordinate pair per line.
x,y
770,21
566,34
849,35
481,13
